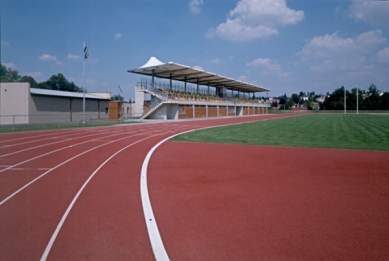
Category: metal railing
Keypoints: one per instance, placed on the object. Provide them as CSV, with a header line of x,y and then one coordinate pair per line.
x,y
10,123
178,92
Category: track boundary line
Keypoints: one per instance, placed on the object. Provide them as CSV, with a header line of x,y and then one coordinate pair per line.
x,y
63,148
47,144
59,226
157,245
59,165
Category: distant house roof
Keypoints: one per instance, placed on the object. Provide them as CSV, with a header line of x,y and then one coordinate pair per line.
x,y
66,94
179,72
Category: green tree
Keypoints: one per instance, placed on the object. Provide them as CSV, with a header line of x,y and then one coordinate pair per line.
x,y
373,102
117,97
385,101
3,73
289,104
8,75
295,98
335,101
59,83
29,79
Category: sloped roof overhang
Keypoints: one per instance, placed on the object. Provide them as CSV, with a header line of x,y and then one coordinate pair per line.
x,y
178,72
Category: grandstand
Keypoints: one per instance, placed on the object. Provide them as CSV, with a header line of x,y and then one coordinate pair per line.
x,y
199,94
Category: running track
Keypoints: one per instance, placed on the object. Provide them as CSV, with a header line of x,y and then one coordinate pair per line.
x,y
75,194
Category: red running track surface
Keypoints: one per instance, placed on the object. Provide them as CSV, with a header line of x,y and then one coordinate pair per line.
x,y
42,172
239,202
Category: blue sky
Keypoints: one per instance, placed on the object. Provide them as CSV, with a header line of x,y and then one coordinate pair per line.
x,y
286,46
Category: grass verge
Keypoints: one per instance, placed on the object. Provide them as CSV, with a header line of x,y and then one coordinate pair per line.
x,y
363,132
57,126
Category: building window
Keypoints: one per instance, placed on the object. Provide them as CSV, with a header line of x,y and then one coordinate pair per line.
x,y
106,110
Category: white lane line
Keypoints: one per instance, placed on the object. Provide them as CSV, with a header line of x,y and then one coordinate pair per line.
x,y
157,246
47,138
30,137
53,151
59,165
29,169
54,236
43,145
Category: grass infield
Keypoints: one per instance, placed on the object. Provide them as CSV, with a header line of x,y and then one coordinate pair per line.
x,y
350,131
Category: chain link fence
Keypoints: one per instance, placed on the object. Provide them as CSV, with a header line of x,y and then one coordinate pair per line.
x,y
14,123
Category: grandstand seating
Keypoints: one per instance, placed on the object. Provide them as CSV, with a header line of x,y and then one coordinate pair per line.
x,y
188,96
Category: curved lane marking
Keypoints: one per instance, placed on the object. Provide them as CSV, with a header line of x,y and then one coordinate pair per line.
x,y
157,245
54,236
63,148
47,144
66,161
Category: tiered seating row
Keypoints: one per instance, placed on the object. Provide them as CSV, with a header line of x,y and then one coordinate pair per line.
x,y
187,96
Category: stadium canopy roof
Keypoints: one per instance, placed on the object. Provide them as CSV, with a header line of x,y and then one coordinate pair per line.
x,y
178,72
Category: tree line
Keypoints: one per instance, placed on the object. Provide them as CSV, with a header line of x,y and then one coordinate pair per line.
x,y
56,82
372,99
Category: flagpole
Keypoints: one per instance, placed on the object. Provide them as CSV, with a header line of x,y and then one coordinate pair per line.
x,y
83,98
86,54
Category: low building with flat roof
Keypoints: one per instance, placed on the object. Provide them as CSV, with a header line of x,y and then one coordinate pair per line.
x,y
21,104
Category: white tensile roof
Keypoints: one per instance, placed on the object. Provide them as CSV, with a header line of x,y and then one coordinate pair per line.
x,y
179,72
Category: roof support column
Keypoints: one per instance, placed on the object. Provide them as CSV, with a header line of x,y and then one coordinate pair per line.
x,y
197,90
208,89
170,82
185,84
152,79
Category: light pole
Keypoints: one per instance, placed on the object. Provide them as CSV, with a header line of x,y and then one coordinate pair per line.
x,y
86,54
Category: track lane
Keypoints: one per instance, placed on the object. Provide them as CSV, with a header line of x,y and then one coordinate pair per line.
x,y
10,150
29,218
53,191
20,219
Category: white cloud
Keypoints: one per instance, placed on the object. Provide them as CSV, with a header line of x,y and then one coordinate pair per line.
x,y
216,61
90,81
5,43
383,55
118,35
194,6
253,19
36,75
372,12
198,67
92,60
242,78
333,46
51,58
48,57
73,57
267,66
10,65
333,59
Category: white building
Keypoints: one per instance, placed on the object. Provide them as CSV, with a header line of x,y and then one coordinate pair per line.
x,y
21,104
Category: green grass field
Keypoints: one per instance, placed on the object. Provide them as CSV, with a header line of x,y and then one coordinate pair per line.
x,y
363,132
9,128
